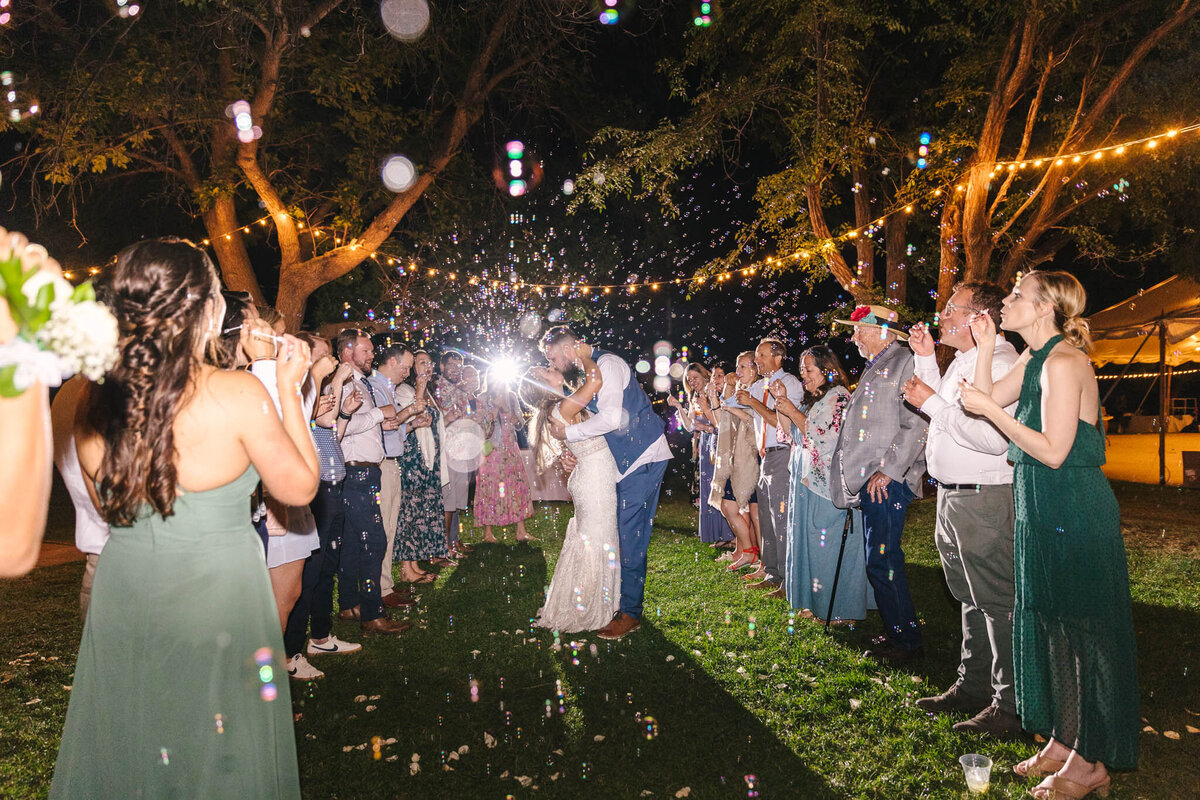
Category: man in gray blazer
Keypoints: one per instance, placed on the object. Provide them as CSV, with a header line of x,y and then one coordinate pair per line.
x,y
878,465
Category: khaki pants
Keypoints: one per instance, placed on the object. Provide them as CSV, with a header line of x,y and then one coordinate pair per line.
x,y
85,592
389,508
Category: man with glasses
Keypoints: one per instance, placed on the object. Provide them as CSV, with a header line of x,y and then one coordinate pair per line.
x,y
968,457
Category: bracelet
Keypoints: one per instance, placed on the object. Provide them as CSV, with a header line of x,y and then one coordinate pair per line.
x,y
343,414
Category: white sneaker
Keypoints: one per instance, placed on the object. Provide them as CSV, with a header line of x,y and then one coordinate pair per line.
x,y
301,670
332,645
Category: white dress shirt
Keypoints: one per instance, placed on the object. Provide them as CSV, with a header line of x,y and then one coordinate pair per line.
x,y
363,439
795,392
383,393
617,375
964,448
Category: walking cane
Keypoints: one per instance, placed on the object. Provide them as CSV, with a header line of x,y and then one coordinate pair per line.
x,y
838,570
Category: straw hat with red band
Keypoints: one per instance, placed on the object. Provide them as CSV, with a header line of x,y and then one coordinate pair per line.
x,y
880,317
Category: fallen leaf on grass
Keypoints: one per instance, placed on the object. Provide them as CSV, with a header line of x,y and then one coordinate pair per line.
x,y
1171,735
670,658
599,737
489,740
370,708
684,792
1191,729
855,703
1149,729
392,758
362,698
34,701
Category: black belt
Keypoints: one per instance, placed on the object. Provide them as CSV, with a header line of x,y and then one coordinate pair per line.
x,y
961,487
362,464
778,447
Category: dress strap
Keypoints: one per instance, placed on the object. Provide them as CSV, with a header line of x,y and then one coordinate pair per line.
x,y
1040,353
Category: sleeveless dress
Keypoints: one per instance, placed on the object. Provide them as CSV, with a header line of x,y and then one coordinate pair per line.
x,y
585,591
1074,652
180,689
502,494
421,530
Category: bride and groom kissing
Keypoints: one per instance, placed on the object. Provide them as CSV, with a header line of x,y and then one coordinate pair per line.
x,y
608,437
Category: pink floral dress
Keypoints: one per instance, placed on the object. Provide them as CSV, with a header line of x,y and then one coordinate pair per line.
x,y
502,494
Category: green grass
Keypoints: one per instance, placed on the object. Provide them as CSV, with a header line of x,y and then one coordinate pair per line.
x,y
803,713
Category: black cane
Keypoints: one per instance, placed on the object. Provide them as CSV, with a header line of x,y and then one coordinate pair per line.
x,y
838,570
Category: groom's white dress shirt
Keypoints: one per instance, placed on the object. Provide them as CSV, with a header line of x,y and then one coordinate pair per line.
x,y
616,375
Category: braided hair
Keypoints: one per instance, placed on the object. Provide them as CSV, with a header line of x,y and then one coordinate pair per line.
x,y
163,293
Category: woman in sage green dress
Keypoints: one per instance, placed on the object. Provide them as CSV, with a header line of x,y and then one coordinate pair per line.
x,y
180,689
1074,651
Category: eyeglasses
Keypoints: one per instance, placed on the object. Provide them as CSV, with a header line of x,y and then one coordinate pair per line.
x,y
953,307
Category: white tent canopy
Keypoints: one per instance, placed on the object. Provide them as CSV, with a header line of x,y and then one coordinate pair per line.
x,y
1118,331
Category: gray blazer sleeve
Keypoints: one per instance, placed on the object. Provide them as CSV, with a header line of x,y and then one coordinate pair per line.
x,y
908,447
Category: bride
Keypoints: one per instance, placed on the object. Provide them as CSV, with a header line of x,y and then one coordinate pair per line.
x,y
586,588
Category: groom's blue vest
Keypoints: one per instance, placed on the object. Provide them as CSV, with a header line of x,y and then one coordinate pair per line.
x,y
639,428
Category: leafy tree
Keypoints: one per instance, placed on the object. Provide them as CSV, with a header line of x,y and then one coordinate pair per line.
x,y
332,93
838,93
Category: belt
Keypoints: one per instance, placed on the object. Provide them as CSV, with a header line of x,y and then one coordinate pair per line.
x,y
391,458
362,464
961,487
778,447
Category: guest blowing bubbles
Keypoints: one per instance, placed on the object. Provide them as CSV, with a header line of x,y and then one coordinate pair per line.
x,y
1074,651
182,610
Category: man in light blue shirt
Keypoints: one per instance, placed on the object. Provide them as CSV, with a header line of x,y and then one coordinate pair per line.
x,y
774,446
394,363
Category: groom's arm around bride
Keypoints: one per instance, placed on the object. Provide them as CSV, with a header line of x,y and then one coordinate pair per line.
x,y
635,435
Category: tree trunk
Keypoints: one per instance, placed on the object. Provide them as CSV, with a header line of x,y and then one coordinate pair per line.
x,y
949,261
864,247
232,259
896,290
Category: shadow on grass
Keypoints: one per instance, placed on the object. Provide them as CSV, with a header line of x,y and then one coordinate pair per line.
x,y
571,721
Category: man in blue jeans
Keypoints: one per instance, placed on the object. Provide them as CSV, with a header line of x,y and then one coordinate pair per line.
x,y
878,465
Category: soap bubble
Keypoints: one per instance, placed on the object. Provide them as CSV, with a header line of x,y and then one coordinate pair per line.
x,y
399,173
406,20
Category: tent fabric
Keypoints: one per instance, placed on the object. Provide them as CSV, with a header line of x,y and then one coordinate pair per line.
x,y
1117,331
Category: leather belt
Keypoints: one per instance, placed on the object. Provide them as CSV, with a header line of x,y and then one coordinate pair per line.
x,y
362,464
778,447
961,487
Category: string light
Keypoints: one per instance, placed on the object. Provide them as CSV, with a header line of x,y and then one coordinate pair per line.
x,y
1174,372
1094,153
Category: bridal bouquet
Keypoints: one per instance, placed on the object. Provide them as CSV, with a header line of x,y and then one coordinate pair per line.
x,y
53,330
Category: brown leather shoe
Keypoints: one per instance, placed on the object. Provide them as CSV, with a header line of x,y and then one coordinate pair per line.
x,y
778,593
621,625
466,548
397,600
993,722
382,626
348,614
950,701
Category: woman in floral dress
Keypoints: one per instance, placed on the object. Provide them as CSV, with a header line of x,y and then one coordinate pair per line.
x,y
421,531
502,494
815,524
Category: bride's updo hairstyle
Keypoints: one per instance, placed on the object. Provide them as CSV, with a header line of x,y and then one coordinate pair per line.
x,y
1066,295
159,291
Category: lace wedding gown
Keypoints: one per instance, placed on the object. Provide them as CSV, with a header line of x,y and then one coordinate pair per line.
x,y
586,588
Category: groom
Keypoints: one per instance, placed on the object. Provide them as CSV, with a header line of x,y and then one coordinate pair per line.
x,y
635,436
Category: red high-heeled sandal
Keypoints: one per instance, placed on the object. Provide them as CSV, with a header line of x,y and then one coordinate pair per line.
x,y
753,551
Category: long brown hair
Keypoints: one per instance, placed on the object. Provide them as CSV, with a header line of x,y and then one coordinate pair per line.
x,y
158,291
540,399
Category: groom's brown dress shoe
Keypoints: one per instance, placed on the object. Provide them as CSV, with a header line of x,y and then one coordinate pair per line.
x,y
621,625
348,613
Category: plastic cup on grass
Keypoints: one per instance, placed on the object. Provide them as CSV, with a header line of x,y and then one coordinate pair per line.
x,y
978,772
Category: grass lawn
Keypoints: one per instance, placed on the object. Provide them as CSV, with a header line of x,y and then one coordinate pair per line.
x,y
695,704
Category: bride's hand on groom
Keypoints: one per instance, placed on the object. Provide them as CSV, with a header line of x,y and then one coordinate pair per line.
x,y
557,429
567,462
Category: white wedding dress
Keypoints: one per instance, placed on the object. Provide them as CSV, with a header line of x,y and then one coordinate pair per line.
x,y
585,591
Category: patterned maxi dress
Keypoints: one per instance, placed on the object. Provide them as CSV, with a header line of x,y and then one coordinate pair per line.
x,y
815,524
1074,652
713,525
501,490
421,531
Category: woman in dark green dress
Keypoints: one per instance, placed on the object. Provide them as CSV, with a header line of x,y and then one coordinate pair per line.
x,y
180,689
1074,652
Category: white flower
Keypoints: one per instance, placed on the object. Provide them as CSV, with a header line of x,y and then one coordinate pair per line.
x,y
32,364
84,335
62,289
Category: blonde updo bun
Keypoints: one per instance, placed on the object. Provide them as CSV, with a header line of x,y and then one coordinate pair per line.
x,y
1065,293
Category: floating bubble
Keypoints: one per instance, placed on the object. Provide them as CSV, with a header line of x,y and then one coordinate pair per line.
x,y
649,727
568,187
642,366
399,173
406,20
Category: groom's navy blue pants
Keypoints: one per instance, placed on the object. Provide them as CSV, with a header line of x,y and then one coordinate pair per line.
x,y
637,500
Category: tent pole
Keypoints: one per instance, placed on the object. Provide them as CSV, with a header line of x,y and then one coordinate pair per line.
x,y
1163,402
